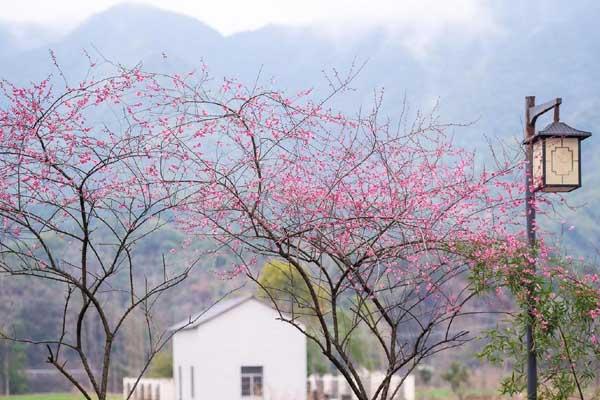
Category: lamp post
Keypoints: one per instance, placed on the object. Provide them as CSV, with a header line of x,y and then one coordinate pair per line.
x,y
553,165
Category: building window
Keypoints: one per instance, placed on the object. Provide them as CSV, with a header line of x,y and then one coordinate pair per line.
x,y
192,381
252,381
180,383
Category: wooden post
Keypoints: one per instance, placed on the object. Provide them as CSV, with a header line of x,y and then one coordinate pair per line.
x,y
530,212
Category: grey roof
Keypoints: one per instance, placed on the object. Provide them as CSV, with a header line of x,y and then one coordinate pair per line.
x,y
561,129
214,311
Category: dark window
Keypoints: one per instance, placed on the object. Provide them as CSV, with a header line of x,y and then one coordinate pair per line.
x,y
252,381
252,370
258,386
246,382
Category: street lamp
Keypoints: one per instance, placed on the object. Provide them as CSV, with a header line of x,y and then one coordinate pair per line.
x,y
553,165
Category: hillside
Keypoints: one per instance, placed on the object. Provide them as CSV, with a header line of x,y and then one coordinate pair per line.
x,y
479,77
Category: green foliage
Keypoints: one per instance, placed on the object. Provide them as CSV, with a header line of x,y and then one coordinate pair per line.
x,y
360,345
13,355
285,285
565,331
317,362
457,376
18,379
162,365
425,373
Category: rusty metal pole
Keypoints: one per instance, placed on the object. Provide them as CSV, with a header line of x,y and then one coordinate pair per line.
x,y
530,212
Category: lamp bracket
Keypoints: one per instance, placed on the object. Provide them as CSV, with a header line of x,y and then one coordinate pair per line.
x,y
536,111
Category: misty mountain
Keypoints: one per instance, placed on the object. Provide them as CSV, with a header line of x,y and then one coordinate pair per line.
x,y
542,48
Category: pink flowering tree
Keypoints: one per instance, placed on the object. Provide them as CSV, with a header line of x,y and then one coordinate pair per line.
x,y
565,300
380,221
89,172
560,299
381,227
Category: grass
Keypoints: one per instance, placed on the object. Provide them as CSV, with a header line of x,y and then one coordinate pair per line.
x,y
53,396
431,393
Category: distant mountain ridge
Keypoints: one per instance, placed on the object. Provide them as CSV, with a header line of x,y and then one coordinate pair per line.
x,y
542,48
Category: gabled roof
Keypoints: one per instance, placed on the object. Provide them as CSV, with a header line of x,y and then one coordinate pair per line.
x,y
562,129
219,308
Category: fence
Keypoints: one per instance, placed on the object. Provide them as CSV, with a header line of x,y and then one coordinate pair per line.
x,y
335,387
149,389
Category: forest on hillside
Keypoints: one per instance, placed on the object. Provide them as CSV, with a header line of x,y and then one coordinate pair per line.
x,y
475,83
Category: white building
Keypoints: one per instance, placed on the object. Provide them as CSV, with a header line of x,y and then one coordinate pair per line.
x,y
238,350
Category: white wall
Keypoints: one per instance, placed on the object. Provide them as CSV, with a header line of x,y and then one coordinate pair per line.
x,y
247,335
408,388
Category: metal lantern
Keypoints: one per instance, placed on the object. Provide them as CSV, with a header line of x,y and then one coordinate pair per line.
x,y
556,158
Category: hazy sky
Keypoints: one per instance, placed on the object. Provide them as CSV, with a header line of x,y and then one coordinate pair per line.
x,y
230,16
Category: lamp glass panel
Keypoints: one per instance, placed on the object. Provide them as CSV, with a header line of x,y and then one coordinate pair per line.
x,y
562,161
538,170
